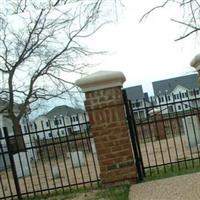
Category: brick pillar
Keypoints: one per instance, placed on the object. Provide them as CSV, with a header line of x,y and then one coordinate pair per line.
x,y
105,107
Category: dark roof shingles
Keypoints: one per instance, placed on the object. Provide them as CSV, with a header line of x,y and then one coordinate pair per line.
x,y
168,85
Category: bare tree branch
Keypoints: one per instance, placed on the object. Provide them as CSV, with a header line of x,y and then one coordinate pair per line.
x,y
153,9
190,19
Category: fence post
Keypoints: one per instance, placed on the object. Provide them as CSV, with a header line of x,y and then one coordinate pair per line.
x,y
105,107
12,163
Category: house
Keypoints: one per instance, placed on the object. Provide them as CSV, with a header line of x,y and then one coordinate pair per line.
x,y
5,121
60,121
169,93
139,100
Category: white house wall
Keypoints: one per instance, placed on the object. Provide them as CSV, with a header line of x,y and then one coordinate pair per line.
x,y
47,129
179,90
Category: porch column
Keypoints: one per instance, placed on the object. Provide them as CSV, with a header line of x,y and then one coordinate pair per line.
x,y
105,107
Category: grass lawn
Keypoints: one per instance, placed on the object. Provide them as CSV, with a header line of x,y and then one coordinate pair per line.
x,y
112,193
181,168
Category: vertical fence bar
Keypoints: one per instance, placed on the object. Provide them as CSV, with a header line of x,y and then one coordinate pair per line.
x,y
20,163
197,110
163,123
70,155
194,130
55,150
84,150
171,127
173,136
76,147
149,121
30,134
12,163
41,157
159,120
132,136
6,166
48,155
143,135
181,135
89,144
188,138
63,154
29,165
193,111
137,139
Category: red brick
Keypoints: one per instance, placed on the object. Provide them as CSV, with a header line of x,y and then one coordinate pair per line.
x,y
111,134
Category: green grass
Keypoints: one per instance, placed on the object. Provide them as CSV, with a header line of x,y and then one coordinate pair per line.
x,y
176,169
111,193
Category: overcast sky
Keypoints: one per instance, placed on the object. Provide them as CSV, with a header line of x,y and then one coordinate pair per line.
x,y
146,51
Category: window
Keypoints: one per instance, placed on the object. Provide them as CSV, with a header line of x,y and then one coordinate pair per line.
x,y
186,106
176,96
47,124
179,107
197,92
60,121
170,109
56,122
161,99
192,93
50,134
168,98
136,105
69,130
74,118
25,129
63,132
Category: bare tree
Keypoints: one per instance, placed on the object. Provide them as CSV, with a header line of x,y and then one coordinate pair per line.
x,y
41,47
191,15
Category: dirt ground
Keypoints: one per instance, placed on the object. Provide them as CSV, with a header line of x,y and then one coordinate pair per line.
x,y
42,178
167,151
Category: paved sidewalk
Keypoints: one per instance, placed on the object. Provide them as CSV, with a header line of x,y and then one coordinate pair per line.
x,y
185,187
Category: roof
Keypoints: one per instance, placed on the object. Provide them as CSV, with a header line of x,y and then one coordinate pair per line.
x,y
135,93
63,110
168,85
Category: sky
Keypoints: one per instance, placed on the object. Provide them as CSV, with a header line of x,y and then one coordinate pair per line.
x,y
145,52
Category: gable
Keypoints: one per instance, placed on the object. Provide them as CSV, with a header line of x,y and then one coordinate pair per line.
x,y
179,88
168,85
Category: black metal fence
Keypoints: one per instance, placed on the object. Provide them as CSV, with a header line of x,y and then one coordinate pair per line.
x,y
59,154
168,128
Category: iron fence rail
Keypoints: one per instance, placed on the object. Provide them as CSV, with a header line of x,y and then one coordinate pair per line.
x,y
54,159
168,132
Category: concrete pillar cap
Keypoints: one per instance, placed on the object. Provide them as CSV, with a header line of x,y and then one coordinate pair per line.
x,y
101,80
196,62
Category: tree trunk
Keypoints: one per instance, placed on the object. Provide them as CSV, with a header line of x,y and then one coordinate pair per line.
x,y
17,141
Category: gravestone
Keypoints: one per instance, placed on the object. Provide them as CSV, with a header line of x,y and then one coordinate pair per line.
x,y
78,158
192,131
